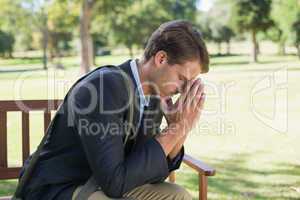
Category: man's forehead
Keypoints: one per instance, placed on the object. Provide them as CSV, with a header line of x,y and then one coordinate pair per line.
x,y
190,70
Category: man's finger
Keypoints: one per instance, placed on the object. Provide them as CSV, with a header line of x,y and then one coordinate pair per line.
x,y
201,102
191,92
194,91
197,96
181,100
186,91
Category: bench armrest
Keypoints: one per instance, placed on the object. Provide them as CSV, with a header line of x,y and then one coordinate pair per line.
x,y
199,166
6,198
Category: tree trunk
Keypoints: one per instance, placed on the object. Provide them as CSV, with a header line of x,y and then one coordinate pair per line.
x,y
45,33
219,48
45,42
94,52
228,48
255,48
281,48
130,51
91,50
85,37
10,54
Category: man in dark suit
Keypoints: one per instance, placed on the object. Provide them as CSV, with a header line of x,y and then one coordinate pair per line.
x,y
88,133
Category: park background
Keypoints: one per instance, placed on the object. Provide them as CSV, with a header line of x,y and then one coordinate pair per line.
x,y
249,131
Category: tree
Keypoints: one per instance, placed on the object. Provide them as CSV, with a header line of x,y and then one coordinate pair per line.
x,y
221,33
296,31
101,35
80,16
14,21
135,24
275,34
37,17
85,36
62,25
252,16
6,44
215,25
90,9
286,15
227,34
203,22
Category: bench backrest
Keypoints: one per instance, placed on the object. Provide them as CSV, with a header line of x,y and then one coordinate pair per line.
x,y
24,106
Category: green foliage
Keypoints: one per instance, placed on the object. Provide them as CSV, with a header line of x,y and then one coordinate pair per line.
x,y
63,16
203,23
252,16
249,15
214,25
13,16
274,33
296,30
15,19
221,33
285,14
62,22
134,25
59,41
286,17
130,22
296,35
184,9
6,44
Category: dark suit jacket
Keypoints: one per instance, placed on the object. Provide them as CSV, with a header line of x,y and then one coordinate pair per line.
x,y
81,144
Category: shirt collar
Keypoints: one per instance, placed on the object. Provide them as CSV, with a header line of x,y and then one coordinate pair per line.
x,y
134,68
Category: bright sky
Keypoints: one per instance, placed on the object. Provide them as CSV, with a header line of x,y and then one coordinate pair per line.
x,y
205,5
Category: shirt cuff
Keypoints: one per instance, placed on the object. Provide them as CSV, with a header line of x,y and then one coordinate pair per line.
x,y
175,163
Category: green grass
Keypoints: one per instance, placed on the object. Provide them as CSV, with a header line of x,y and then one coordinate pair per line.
x,y
253,161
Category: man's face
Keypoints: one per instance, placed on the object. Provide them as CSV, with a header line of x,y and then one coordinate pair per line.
x,y
171,79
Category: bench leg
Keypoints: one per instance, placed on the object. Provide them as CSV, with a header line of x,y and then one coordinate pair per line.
x,y
172,177
202,187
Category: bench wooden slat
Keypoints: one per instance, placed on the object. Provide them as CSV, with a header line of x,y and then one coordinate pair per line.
x,y
9,173
47,119
28,105
6,198
25,106
3,139
25,136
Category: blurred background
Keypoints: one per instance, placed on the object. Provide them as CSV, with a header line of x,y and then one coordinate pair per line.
x,y
249,130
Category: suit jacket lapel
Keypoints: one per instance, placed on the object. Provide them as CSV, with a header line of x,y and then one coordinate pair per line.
x,y
150,122
136,114
152,117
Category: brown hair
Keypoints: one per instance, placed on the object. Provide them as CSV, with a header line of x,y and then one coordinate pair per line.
x,y
181,41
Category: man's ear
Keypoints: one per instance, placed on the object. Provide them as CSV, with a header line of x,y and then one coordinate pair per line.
x,y
161,58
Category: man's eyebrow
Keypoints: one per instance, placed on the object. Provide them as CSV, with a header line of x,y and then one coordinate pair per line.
x,y
183,77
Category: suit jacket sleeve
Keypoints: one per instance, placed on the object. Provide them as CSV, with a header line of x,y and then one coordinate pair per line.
x,y
100,126
175,163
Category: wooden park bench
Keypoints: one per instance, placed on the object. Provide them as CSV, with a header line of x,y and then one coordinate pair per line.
x,y
46,106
